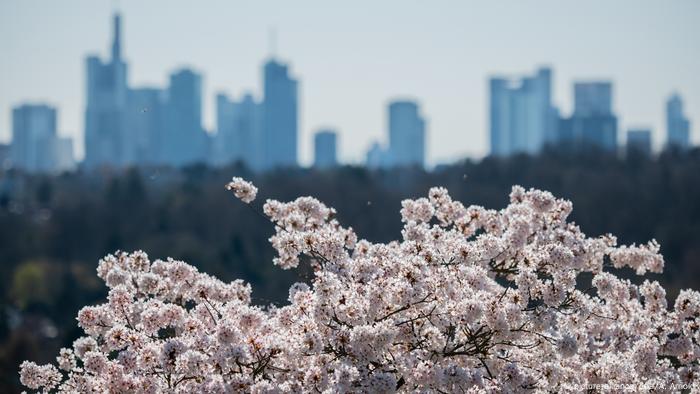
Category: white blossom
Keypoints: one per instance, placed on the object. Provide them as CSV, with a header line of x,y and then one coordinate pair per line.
x,y
242,189
469,300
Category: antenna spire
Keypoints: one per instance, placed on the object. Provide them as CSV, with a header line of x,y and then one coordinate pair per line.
x,y
117,44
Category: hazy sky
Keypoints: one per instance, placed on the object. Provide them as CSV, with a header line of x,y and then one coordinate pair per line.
x,y
351,58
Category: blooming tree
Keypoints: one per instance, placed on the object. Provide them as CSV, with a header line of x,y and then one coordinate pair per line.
x,y
469,300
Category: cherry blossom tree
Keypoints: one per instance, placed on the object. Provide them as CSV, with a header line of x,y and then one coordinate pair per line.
x,y
469,300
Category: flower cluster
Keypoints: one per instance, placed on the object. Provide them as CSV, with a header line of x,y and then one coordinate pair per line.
x,y
242,189
469,300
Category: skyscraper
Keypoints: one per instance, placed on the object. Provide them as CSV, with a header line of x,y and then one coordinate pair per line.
x,y
239,131
592,98
280,119
521,115
36,146
226,149
406,134
593,124
677,125
106,104
325,149
143,135
639,142
184,139
33,135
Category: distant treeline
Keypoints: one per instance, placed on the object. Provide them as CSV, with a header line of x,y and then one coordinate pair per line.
x,y
53,230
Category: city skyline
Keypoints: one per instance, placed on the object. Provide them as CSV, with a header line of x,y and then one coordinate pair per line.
x,y
457,112
128,125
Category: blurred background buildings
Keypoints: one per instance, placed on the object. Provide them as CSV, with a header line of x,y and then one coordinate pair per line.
x,y
162,126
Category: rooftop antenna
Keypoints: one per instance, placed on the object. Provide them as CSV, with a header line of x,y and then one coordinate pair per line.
x,y
116,43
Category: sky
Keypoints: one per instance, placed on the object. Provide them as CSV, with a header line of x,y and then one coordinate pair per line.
x,y
352,58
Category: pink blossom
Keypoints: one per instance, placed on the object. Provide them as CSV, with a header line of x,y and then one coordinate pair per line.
x,y
243,190
476,300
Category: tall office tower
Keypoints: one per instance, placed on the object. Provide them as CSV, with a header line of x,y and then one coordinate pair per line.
x,y
325,149
33,137
184,140
280,120
106,103
239,131
226,149
142,137
35,145
522,118
406,134
592,98
593,124
677,125
639,142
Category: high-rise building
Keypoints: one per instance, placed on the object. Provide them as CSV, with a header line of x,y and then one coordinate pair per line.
x,y
226,146
325,149
280,119
677,125
106,104
145,125
33,132
36,146
592,98
184,140
639,142
593,123
521,115
239,131
406,134
143,135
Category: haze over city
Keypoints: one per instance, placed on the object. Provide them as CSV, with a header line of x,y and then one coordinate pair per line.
x,y
351,61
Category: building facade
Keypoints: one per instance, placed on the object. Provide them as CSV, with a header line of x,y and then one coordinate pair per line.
x,y
33,136
106,106
593,125
239,131
226,146
521,116
592,98
406,134
143,136
280,116
184,140
35,146
325,149
677,125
